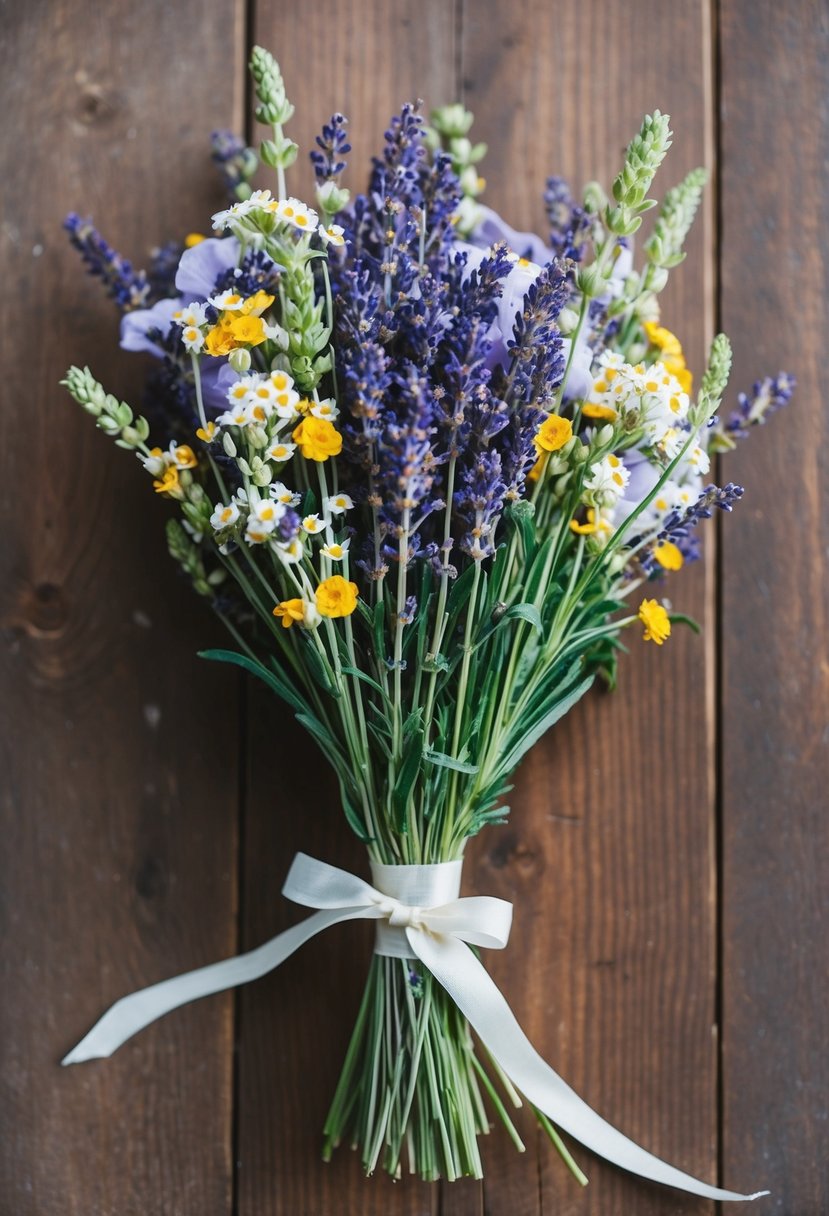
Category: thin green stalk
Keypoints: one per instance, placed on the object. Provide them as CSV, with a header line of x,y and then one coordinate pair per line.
x,y
497,1102
561,1147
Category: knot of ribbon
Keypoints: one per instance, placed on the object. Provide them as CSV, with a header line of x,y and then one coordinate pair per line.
x,y
419,915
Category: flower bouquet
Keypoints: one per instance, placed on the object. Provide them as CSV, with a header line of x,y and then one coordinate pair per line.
x,y
427,470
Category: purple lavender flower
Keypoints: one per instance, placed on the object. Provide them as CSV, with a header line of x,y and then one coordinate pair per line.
x,y
329,163
535,347
234,160
479,502
569,223
128,287
678,526
163,268
257,272
766,397
288,526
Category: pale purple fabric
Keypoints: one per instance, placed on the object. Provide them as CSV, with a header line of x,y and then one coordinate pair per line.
x,y
135,326
202,265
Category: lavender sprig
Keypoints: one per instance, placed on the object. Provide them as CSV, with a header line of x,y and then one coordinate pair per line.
x,y
766,397
569,223
128,287
235,161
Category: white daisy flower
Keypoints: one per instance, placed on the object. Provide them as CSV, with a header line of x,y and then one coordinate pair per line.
x,y
280,492
260,198
224,219
608,477
291,553
287,403
281,380
228,301
336,552
280,451
326,408
312,524
193,314
332,235
698,459
293,211
263,518
193,339
224,516
239,415
337,504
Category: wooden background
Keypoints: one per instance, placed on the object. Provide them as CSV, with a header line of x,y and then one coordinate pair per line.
x,y
668,849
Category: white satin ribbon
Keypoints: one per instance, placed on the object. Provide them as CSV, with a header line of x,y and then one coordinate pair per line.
x,y
419,916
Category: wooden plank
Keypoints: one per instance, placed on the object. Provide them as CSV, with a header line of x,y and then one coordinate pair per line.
x,y
118,860
775,690
364,58
608,857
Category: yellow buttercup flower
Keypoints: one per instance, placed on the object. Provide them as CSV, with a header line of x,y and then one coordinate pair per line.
x,y
317,438
673,356
669,555
290,611
655,619
602,413
553,433
238,328
168,482
257,304
219,340
336,596
247,330
184,456
594,524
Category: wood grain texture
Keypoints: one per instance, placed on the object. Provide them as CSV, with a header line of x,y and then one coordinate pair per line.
x,y
118,858
775,672
365,58
608,858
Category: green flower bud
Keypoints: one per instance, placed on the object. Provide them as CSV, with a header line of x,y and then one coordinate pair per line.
x,y
239,360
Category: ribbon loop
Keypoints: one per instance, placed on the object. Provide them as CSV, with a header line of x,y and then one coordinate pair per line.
x,y
419,915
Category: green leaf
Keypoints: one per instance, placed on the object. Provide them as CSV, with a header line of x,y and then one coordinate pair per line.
x,y
527,739
272,679
680,618
444,761
352,815
536,574
524,612
361,675
379,631
406,777
321,670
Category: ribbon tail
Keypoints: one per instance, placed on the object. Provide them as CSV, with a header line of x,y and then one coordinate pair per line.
x,y
455,966
133,1013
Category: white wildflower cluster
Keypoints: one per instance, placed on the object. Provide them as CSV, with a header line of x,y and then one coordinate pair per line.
x,y
192,320
265,424
290,211
643,396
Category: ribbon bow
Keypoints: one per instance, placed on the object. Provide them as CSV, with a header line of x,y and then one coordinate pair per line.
x,y
415,920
